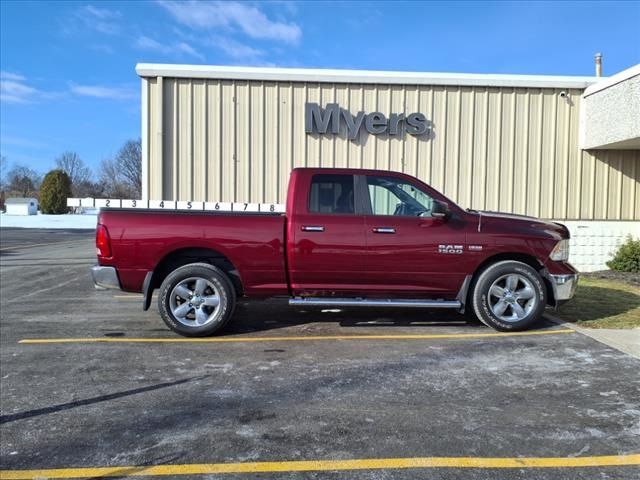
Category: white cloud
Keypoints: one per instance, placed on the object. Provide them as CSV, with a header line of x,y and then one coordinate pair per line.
x,y
235,15
11,76
103,48
290,6
21,142
188,49
99,19
147,43
99,91
102,13
180,48
236,50
14,89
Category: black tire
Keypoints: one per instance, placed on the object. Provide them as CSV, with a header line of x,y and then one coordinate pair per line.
x,y
485,304
471,318
220,315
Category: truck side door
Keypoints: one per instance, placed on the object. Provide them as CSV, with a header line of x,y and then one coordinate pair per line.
x,y
326,237
410,253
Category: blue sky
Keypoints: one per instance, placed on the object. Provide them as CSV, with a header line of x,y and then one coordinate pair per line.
x,y
68,68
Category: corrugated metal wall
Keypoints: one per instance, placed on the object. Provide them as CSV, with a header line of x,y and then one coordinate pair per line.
x,y
508,149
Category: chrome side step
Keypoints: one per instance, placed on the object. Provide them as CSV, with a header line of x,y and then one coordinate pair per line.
x,y
377,302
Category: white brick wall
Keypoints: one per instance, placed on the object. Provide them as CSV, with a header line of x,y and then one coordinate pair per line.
x,y
593,243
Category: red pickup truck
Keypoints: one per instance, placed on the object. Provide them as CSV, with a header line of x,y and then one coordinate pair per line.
x,y
348,238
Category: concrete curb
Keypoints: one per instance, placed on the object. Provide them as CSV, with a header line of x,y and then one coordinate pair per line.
x,y
624,340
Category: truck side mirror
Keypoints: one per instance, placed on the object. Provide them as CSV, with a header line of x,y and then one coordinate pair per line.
x,y
439,209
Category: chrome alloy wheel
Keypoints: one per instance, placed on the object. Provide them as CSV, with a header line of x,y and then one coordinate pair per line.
x,y
512,297
194,302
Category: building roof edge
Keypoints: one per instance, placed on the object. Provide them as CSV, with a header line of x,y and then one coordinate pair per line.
x,y
146,70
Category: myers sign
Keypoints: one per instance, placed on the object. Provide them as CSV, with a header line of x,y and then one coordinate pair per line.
x,y
331,118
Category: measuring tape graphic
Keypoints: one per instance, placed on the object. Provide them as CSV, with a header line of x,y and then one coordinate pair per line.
x,y
176,205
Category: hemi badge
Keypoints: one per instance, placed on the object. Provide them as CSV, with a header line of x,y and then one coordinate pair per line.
x,y
475,248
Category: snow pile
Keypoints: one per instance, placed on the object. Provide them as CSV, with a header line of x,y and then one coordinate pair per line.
x,y
48,221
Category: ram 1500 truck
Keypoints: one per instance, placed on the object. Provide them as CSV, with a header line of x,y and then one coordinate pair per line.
x,y
348,238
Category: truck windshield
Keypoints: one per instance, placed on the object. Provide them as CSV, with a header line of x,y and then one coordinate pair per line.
x,y
394,196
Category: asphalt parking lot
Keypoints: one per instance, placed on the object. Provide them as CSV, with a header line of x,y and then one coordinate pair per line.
x,y
92,386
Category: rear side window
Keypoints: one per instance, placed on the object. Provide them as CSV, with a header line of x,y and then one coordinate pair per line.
x,y
332,194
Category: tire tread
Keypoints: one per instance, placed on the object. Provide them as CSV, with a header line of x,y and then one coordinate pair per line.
x,y
194,269
494,270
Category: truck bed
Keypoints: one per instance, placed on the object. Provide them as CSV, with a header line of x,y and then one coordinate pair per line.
x,y
253,242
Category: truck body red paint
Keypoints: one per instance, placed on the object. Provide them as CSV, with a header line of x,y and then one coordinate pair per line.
x,y
345,250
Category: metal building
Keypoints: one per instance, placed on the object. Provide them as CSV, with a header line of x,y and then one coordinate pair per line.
x,y
492,142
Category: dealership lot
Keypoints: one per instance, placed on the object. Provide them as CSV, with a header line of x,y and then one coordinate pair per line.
x,y
109,386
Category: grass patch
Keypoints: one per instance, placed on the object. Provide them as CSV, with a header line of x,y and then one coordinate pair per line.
x,y
602,303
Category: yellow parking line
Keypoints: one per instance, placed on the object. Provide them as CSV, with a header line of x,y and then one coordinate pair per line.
x,y
21,247
327,465
287,339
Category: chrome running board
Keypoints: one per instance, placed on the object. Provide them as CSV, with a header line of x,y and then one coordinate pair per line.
x,y
377,302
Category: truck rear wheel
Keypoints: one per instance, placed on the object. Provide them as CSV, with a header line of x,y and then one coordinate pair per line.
x,y
509,296
196,300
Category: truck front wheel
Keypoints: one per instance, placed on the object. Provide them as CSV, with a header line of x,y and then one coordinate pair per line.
x,y
509,296
196,300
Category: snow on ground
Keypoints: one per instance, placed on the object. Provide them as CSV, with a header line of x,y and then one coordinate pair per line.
x,y
48,221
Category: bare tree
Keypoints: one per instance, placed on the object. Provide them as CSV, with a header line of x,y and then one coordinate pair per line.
x,y
4,166
89,188
129,162
71,164
111,178
23,181
121,176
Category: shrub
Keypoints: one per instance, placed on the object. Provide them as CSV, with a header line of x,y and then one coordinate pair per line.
x,y
55,189
627,258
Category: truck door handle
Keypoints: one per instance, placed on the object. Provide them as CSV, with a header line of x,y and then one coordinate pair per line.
x,y
312,228
384,230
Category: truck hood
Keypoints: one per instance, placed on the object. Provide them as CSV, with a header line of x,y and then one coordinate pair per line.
x,y
510,221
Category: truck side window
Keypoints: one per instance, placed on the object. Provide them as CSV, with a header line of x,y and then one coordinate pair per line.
x,y
331,194
394,196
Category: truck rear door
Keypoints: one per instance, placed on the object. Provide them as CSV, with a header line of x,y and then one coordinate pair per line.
x,y
326,236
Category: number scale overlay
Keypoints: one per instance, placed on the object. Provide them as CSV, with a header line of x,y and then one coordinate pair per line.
x,y
236,207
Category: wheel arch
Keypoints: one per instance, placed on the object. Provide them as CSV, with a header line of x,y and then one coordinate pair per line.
x,y
184,256
530,260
